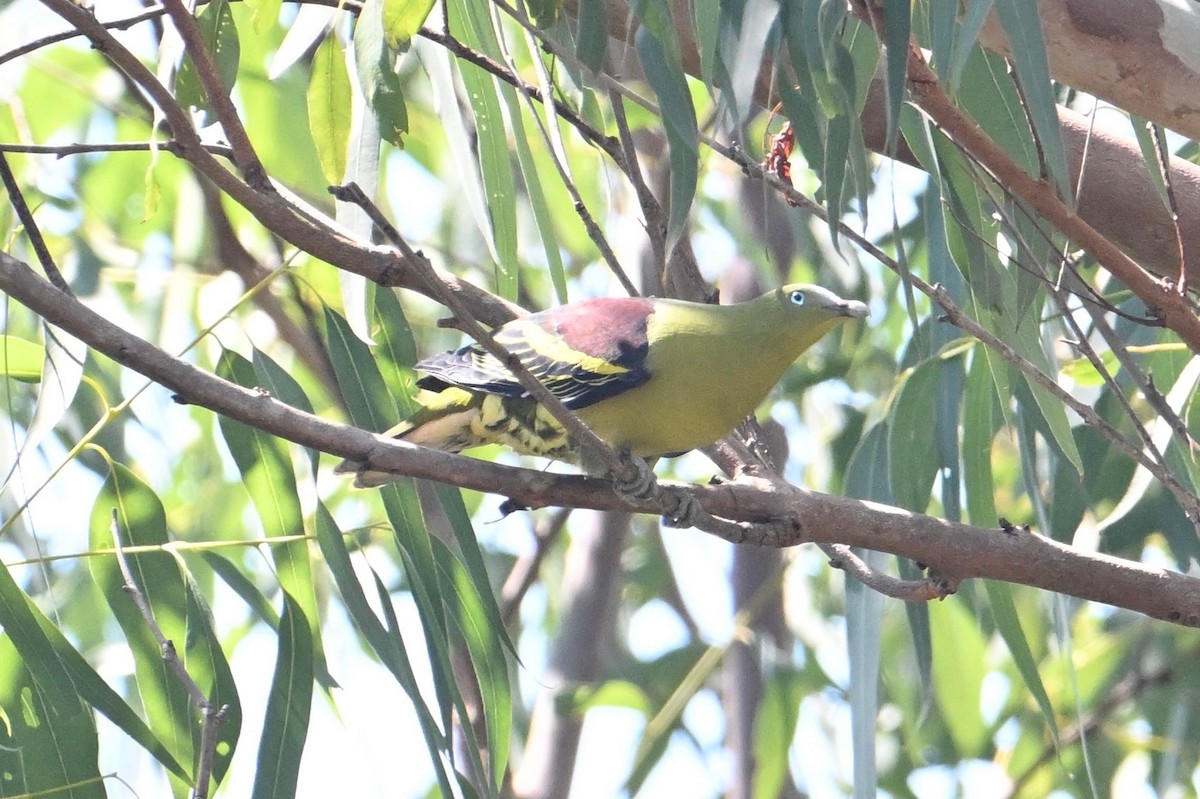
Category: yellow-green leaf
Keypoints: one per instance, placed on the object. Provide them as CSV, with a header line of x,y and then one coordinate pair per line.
x,y
402,19
21,359
329,108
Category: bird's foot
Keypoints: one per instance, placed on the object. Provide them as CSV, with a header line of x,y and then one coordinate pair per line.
x,y
638,485
680,508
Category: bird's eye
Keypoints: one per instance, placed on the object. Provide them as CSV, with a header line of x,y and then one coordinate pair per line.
x,y
796,298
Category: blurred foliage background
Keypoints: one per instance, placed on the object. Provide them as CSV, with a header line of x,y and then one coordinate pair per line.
x,y
418,640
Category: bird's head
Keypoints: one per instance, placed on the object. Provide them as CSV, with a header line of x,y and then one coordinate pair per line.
x,y
802,303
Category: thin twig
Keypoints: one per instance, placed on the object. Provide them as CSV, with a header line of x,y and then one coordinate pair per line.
x,y
17,198
211,716
1174,309
933,587
62,150
1164,170
656,223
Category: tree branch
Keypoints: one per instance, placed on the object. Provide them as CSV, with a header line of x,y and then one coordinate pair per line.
x,y
798,515
1158,295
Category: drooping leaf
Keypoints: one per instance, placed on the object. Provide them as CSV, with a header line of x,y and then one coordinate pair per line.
x,y
285,726
386,643
141,522
1004,610
495,164
899,24
1023,26
665,75
377,76
958,667
218,33
913,461
266,468
593,33
866,478
329,105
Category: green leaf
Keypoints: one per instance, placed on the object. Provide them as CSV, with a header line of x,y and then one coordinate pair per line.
x,y
141,522
495,163
377,78
964,42
21,359
266,14
706,16
743,53
593,33
218,33
402,19
774,728
979,427
21,626
1009,624
475,613
864,622
235,577
958,666
1149,142
366,396
266,468
991,98
899,24
285,725
866,478
329,105
833,173
942,25
1025,340
1023,26
396,352
368,402
665,76
913,460
208,666
283,387
544,13
387,645
610,693
1086,375
45,746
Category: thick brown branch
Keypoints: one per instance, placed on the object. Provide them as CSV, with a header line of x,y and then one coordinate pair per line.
x,y
952,549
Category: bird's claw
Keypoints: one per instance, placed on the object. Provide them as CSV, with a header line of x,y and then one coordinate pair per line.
x,y
680,508
637,484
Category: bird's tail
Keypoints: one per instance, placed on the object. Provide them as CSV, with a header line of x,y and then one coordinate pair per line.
x,y
444,423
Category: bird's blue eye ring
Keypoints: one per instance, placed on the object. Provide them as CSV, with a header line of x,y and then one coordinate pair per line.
x,y
796,297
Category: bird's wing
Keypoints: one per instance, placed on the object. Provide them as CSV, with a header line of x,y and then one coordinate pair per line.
x,y
583,352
